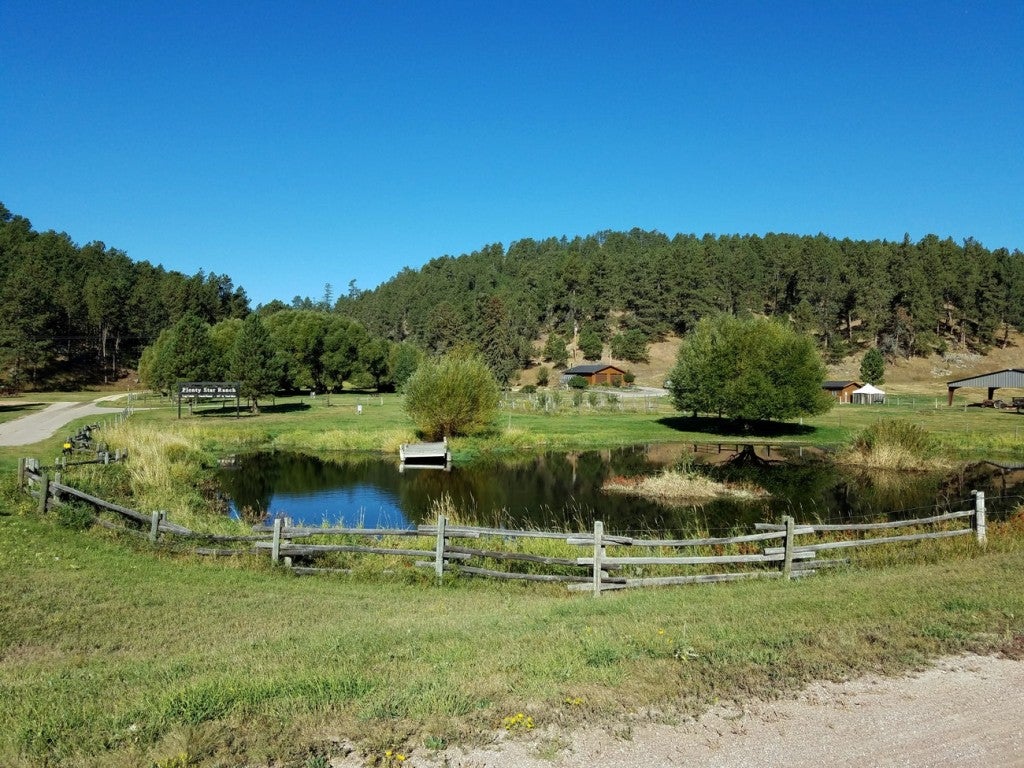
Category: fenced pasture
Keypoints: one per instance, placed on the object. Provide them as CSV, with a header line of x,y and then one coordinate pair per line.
x,y
590,561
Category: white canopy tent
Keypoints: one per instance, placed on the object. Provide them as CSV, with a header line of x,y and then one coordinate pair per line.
x,y
869,393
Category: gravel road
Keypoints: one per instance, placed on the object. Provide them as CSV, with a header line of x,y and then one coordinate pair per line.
x,y
42,424
966,711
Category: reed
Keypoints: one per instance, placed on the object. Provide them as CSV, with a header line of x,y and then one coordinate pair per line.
x,y
680,487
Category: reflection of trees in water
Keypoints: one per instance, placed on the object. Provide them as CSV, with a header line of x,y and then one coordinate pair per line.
x,y
563,490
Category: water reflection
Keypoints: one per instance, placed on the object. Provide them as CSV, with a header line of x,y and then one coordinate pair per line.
x,y
563,490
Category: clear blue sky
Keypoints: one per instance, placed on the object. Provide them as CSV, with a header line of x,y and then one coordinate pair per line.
x,y
294,144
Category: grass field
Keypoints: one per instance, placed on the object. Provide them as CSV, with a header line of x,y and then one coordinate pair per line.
x,y
112,654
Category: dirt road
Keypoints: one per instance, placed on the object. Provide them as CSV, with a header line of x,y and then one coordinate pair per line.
x,y
966,712
40,425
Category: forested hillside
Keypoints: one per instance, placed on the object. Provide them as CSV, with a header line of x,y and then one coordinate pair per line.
x,y
73,315
906,298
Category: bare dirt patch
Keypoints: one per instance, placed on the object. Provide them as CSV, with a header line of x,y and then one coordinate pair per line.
x,y
965,711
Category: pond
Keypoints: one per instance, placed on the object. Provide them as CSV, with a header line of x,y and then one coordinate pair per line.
x,y
562,491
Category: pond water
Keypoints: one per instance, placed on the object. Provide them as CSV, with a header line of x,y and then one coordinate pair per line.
x,y
562,491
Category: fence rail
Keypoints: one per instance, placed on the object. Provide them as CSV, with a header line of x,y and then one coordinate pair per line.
x,y
611,562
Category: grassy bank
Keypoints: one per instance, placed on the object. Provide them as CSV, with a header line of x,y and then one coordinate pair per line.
x,y
314,424
116,656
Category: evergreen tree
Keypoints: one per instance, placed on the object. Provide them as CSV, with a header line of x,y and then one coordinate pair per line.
x,y
631,345
590,344
555,350
253,363
872,367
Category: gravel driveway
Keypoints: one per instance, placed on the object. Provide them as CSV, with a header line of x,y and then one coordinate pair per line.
x,y
34,427
966,711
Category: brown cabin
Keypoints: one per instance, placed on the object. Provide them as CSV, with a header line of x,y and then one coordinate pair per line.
x,y
841,390
596,374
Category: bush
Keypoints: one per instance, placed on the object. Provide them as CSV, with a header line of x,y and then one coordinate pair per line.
x,y
577,382
543,376
454,395
528,389
629,377
577,398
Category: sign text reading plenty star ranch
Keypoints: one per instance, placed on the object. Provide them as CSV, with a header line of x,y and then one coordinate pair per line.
x,y
225,389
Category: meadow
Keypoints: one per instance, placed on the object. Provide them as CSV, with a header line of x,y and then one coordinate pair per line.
x,y
116,654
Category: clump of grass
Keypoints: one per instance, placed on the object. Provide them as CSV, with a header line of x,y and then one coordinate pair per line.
x,y
894,444
676,485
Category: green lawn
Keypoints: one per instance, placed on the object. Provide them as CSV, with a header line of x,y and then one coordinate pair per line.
x,y
112,654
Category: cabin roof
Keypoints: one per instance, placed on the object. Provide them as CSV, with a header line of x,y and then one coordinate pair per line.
x,y
589,368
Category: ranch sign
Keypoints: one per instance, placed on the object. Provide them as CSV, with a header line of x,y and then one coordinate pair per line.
x,y
209,390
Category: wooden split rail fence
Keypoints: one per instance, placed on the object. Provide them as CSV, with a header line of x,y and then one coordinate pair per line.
x,y
607,562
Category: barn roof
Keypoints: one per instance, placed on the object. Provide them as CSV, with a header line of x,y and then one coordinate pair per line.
x,y
1010,377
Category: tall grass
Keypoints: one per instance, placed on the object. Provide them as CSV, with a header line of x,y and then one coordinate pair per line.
x,y
895,444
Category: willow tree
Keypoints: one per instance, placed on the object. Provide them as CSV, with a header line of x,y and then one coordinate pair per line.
x,y
453,395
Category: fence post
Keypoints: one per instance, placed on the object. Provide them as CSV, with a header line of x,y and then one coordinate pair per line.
x,y
979,517
275,548
44,491
442,526
598,556
154,526
787,561
21,473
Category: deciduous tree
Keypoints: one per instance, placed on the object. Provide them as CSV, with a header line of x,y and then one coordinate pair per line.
x,y
454,395
749,369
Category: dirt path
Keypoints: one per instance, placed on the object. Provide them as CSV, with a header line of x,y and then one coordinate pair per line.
x,y
38,426
966,712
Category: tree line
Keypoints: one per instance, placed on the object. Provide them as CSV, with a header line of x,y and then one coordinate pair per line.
x,y
625,289
74,314
276,350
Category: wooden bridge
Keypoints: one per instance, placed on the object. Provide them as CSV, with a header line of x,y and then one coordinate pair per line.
x,y
425,455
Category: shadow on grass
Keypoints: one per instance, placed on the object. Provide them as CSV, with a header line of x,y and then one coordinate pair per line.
x,y
229,413
711,425
15,407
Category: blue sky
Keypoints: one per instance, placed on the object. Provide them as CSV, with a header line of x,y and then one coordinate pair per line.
x,y
290,145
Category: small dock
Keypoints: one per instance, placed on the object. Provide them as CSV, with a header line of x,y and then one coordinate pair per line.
x,y
425,456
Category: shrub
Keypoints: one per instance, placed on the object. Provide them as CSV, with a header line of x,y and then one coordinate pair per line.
x,y
454,395
528,389
543,376
577,382
629,377
577,398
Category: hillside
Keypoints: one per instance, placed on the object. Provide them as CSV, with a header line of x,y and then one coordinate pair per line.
x,y
925,374
908,299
